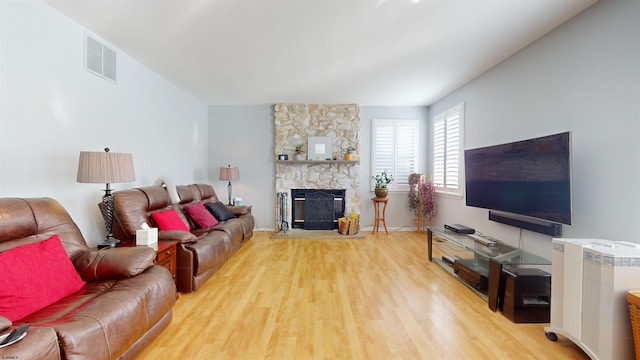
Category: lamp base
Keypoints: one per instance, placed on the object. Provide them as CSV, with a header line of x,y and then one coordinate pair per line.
x,y
108,243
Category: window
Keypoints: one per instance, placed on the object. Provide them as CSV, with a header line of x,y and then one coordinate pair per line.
x,y
447,150
395,149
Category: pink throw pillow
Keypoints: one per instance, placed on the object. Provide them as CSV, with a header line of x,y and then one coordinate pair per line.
x,y
201,216
169,220
34,276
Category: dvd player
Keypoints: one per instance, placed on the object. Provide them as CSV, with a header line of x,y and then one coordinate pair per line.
x,y
461,229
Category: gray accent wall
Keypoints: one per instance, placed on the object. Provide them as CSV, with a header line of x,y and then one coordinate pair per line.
x,y
583,77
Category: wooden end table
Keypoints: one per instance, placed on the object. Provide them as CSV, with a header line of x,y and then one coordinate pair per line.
x,y
166,256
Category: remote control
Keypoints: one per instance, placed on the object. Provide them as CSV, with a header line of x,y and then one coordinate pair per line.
x,y
15,334
484,240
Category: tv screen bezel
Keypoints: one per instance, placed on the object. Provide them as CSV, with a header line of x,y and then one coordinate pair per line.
x,y
566,201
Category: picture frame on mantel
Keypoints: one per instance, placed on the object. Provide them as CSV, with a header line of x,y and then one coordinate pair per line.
x,y
320,148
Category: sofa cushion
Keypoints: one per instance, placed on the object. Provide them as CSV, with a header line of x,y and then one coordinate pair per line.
x,y
220,211
200,215
34,276
169,220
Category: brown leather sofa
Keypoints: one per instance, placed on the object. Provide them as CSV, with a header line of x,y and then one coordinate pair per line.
x,y
200,252
125,304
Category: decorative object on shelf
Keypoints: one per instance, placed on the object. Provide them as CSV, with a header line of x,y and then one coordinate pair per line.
x,y
106,167
229,173
320,147
382,180
348,152
298,152
283,157
422,199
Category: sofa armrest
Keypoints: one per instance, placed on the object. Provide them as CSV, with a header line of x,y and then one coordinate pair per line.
x,y
116,263
40,343
178,235
4,323
239,210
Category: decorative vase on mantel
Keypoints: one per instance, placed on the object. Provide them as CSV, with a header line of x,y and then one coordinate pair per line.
x,y
348,157
381,193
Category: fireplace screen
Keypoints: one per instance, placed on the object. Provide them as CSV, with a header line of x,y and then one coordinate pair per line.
x,y
317,209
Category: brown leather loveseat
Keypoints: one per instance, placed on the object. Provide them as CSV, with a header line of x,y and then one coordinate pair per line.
x,y
123,303
200,251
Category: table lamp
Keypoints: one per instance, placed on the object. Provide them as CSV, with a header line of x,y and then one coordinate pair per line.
x,y
106,167
229,173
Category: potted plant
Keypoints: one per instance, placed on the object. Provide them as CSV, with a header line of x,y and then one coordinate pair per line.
x,y
348,152
298,152
381,181
422,198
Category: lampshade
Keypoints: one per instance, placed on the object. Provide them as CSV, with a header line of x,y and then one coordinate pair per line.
x,y
229,173
105,167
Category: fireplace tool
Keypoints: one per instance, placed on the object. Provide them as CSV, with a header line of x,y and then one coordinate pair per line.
x,y
284,225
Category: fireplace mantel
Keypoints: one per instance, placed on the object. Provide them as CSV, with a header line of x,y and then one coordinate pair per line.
x,y
319,162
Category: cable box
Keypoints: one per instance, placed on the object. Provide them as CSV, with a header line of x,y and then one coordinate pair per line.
x,y
461,229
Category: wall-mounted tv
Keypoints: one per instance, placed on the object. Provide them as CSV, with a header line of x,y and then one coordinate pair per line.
x,y
529,177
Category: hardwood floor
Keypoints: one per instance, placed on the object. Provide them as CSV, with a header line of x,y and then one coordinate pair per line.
x,y
371,298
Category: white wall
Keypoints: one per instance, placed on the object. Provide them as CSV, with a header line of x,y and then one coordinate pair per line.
x,y
244,136
583,77
51,109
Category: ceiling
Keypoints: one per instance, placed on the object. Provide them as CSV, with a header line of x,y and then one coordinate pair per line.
x,y
367,52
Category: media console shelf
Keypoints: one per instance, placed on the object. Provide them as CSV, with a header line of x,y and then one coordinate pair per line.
x,y
481,266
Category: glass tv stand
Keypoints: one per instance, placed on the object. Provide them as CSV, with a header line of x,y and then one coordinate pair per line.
x,y
483,263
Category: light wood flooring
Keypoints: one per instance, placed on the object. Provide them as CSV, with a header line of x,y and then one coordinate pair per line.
x,y
371,298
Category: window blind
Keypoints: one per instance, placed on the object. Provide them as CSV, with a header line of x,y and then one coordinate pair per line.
x,y
447,140
395,149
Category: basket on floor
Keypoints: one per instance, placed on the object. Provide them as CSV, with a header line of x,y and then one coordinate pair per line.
x,y
633,298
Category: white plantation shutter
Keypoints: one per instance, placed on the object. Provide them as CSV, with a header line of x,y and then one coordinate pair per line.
x,y
406,152
447,149
439,152
395,149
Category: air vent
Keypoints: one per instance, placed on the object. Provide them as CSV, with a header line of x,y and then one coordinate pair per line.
x,y
99,59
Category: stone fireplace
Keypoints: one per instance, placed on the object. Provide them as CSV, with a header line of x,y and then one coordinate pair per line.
x,y
294,124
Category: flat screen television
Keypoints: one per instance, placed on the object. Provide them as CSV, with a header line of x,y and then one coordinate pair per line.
x,y
529,177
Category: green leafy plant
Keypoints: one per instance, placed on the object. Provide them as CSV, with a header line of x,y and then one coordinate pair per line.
x,y
299,149
350,149
382,180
